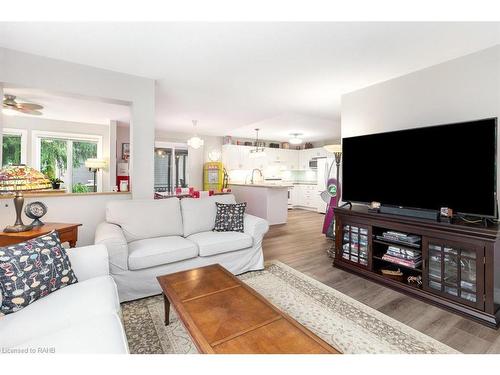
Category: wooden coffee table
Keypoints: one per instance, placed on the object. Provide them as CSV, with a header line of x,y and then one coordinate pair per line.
x,y
224,315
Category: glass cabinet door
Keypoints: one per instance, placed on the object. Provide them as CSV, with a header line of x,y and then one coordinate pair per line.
x,y
355,244
455,272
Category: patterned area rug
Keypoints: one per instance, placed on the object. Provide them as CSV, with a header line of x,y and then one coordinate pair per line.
x,y
346,324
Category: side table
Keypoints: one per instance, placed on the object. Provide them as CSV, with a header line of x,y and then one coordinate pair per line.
x,y
67,233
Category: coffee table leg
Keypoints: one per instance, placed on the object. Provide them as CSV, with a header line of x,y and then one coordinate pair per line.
x,y
167,309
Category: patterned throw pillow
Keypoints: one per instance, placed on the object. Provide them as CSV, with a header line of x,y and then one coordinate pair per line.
x,y
229,217
31,270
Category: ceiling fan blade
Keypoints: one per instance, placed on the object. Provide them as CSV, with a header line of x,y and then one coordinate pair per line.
x,y
30,106
29,111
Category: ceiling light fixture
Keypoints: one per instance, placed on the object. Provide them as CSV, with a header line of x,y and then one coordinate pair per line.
x,y
259,150
295,140
195,141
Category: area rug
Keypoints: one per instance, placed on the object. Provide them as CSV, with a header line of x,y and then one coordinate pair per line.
x,y
343,322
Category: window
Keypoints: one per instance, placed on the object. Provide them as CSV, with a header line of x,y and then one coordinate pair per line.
x,y
180,168
63,157
13,146
170,166
163,169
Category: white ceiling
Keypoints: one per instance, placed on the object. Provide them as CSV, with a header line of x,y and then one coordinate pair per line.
x,y
65,108
230,76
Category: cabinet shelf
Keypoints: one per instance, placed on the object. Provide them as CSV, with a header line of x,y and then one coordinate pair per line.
x,y
419,270
404,245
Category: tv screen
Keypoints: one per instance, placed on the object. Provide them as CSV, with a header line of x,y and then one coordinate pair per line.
x,y
428,168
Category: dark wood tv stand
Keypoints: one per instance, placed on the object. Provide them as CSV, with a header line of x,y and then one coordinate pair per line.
x,y
460,267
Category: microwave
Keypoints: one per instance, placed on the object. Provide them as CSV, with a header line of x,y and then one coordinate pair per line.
x,y
313,164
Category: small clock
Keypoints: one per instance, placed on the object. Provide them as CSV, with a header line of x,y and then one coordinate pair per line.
x,y
35,210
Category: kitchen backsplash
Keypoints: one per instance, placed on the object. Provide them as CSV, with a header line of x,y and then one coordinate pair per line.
x,y
242,175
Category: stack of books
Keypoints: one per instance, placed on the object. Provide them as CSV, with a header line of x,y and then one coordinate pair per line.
x,y
404,257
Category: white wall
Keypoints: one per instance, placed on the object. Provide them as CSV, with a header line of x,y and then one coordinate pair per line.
x,y
43,124
466,88
26,70
85,209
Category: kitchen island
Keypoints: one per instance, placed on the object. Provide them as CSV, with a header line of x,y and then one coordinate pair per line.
x,y
268,201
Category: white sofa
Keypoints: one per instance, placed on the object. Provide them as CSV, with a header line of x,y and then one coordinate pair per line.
x,y
149,238
80,318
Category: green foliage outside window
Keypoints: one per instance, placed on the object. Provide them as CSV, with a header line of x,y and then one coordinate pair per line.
x,y
80,188
11,149
54,155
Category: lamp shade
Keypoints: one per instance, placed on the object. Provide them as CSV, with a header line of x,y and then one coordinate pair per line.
x,y
333,148
22,178
195,142
95,163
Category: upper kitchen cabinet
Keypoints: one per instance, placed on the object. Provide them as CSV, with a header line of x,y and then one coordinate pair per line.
x,y
318,152
304,157
233,157
238,157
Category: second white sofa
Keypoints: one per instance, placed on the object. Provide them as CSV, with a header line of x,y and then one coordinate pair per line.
x,y
84,317
149,238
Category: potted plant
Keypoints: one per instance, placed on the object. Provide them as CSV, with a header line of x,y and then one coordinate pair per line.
x,y
56,183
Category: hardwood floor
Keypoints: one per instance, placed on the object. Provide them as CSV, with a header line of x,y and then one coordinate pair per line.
x,y
301,245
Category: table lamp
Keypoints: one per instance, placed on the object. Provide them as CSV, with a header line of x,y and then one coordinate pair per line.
x,y
17,179
94,165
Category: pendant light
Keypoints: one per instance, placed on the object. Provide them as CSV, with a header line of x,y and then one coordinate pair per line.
x,y
295,140
195,141
258,151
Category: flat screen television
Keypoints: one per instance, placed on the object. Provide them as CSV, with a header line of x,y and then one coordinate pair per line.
x,y
428,168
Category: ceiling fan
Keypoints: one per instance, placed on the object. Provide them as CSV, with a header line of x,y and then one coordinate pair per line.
x,y
10,103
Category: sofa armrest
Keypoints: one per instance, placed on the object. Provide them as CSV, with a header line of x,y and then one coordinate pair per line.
x,y
89,261
255,227
111,235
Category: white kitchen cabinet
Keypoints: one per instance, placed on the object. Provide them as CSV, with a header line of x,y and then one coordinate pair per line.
x,y
238,157
294,195
231,157
303,160
291,159
318,152
305,196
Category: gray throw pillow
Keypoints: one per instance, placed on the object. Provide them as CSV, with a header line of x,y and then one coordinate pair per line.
x,y
230,217
31,270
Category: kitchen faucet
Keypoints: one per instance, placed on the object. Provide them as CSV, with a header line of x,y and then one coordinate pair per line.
x,y
258,170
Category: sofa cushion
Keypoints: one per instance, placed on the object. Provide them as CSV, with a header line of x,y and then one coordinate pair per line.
x,y
161,250
146,218
212,243
230,217
60,310
32,270
198,214
102,334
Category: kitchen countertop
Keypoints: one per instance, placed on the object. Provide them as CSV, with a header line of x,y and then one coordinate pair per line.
x,y
304,183
264,185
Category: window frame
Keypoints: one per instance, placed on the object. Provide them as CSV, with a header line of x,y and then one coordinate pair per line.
x,y
36,145
24,141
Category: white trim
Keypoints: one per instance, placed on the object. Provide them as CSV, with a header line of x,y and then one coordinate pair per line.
x,y
176,145
24,141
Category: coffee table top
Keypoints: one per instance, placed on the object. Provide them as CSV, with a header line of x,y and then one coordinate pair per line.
x,y
224,315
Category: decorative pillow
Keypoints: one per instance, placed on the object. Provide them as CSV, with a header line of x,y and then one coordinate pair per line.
x,y
229,217
31,270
